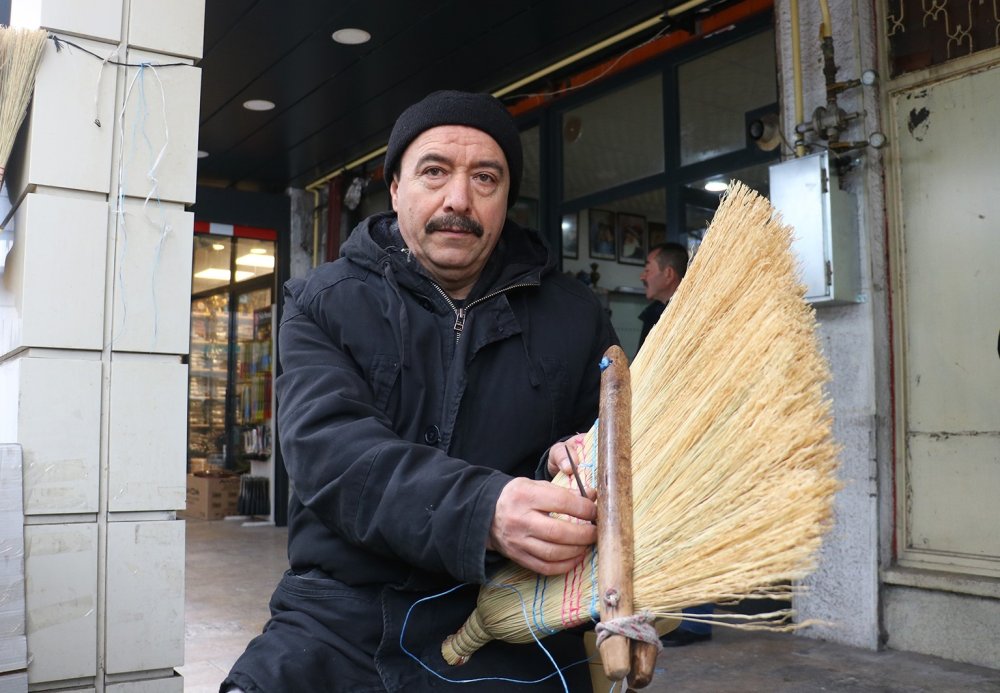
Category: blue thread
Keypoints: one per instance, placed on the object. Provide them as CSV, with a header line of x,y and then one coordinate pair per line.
x,y
605,362
139,129
524,612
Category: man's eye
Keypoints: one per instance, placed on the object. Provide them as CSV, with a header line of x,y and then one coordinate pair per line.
x,y
433,171
485,178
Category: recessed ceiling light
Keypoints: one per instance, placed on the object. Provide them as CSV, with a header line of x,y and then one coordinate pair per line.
x,y
218,246
715,186
258,105
202,153
351,37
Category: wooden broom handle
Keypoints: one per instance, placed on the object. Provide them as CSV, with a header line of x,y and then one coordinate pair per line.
x,y
615,540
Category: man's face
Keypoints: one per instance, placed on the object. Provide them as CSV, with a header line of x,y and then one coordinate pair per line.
x,y
657,281
451,200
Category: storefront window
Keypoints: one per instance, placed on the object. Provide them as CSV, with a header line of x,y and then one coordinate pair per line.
x,y
254,258
211,262
755,177
718,90
614,139
703,198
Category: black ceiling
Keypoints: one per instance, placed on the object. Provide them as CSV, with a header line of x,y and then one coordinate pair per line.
x,y
336,103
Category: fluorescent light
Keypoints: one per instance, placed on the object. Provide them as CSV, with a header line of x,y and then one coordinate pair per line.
x,y
715,186
351,37
258,105
258,251
218,246
219,274
251,260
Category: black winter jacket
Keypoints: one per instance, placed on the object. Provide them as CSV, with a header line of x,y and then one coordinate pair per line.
x,y
401,418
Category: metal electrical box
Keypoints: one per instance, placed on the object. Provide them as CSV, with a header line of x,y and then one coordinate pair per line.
x,y
806,192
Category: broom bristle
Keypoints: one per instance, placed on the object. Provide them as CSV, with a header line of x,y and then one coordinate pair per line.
x,y
20,53
733,458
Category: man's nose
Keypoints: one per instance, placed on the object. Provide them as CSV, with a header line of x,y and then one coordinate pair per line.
x,y
457,195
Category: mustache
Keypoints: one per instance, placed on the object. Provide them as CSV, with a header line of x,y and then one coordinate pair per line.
x,y
454,221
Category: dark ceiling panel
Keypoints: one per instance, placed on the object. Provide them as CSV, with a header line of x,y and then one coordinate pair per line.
x,y
336,103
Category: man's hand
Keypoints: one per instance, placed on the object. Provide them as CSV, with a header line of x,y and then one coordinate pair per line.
x,y
525,532
558,461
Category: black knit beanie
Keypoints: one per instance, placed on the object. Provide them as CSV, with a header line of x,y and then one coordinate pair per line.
x,y
480,111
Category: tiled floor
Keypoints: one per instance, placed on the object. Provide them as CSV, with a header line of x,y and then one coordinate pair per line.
x,y
231,572
232,569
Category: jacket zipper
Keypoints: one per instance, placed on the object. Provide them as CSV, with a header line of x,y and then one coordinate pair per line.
x,y
461,313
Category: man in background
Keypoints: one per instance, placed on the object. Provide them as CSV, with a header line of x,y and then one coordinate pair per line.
x,y
666,264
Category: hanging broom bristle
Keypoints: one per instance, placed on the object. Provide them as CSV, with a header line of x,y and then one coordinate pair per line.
x,y
733,459
20,52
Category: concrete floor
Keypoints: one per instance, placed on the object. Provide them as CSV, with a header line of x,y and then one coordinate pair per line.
x,y
232,569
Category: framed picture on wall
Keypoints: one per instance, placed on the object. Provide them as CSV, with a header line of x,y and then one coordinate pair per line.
x,y
656,233
570,235
602,234
631,235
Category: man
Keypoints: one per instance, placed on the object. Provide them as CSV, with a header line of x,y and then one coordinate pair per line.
x,y
424,373
666,264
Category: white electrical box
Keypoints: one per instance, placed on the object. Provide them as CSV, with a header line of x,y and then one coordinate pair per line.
x,y
807,193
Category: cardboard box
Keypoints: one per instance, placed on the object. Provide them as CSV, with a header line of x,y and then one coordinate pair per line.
x,y
212,495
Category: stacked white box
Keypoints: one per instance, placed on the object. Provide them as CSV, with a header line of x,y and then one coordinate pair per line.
x,y
147,435
160,149
96,18
173,684
61,145
61,564
145,602
13,648
94,315
55,414
171,28
53,282
152,278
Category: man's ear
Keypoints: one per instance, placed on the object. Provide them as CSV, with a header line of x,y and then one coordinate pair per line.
x,y
393,187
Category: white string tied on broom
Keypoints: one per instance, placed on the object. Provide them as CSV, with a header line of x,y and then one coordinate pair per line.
x,y
638,626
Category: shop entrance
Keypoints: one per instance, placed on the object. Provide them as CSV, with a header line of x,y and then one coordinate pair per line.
x,y
230,397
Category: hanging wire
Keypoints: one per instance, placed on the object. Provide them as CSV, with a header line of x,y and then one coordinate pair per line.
x,y
59,41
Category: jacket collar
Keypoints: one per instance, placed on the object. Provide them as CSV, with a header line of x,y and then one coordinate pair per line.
x,y
519,258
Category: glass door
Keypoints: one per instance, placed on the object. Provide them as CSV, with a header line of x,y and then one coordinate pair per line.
x,y
251,401
229,395
209,376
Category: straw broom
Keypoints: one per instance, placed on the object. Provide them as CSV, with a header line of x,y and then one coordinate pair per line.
x,y
20,53
733,460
